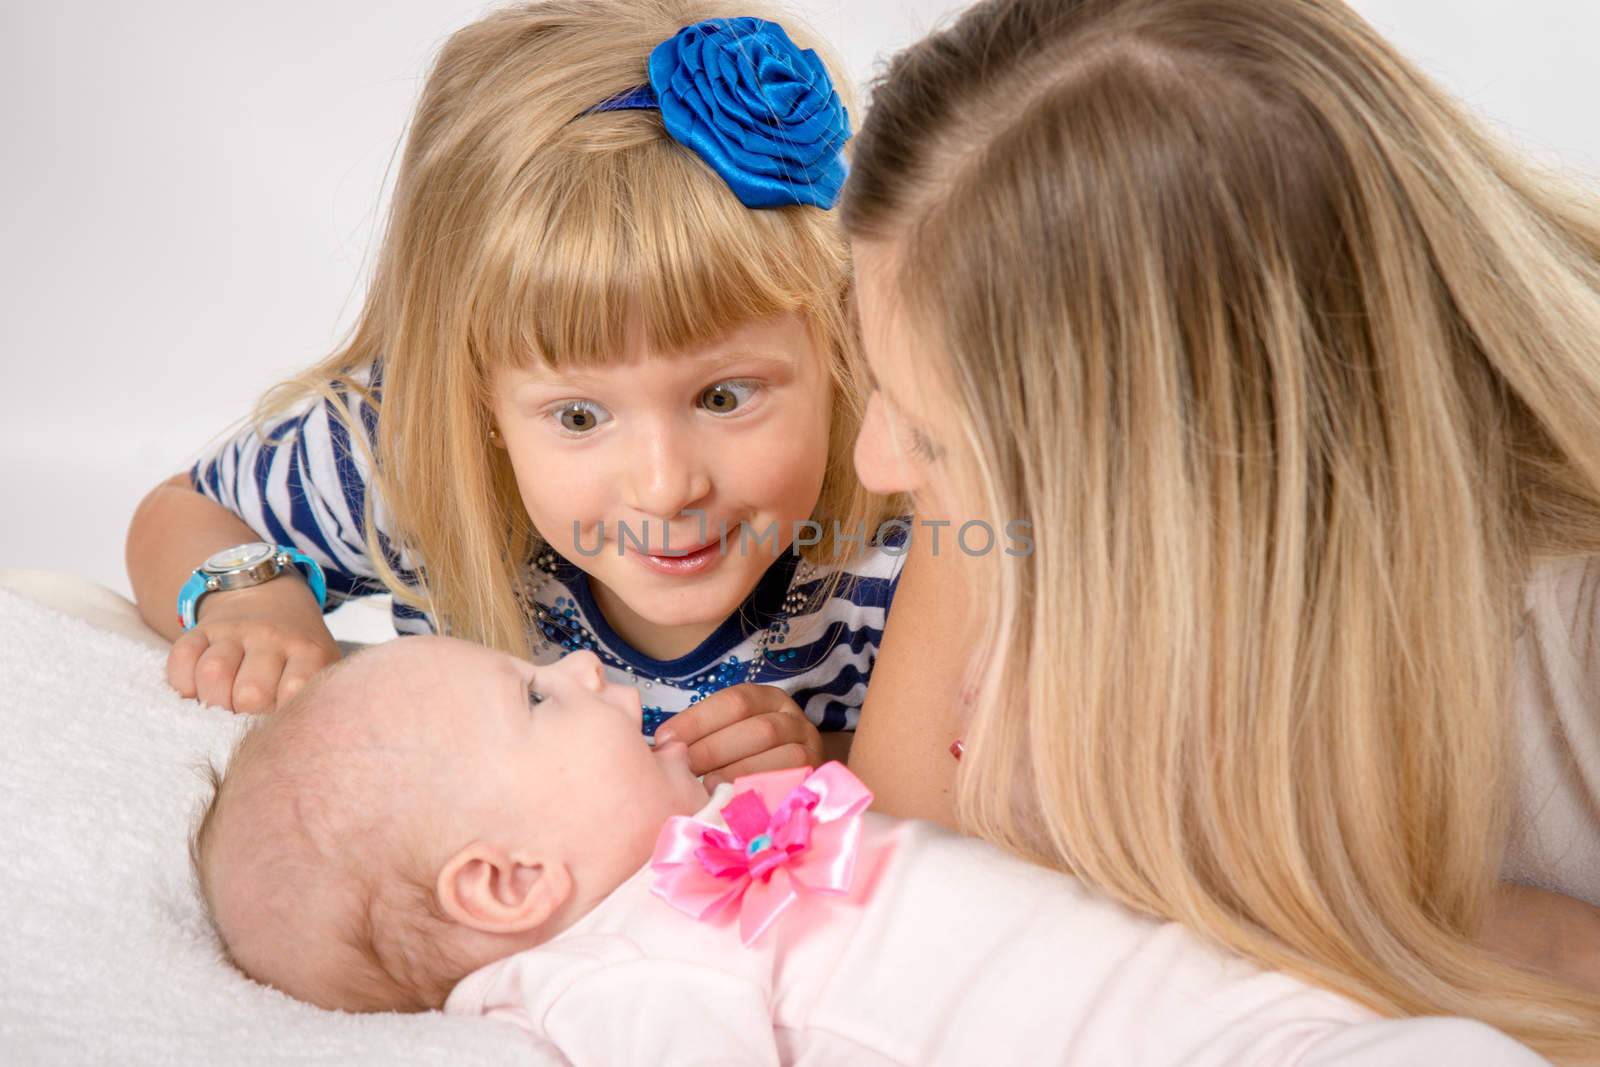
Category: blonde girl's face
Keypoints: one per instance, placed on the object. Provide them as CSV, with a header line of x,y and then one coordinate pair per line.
x,y
632,471
898,450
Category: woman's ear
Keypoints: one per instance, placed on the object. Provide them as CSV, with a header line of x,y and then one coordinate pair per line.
x,y
488,889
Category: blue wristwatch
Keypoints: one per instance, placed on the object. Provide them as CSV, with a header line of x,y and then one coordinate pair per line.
x,y
242,566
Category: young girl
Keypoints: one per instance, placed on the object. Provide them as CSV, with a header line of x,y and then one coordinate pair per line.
x,y
1293,371
598,396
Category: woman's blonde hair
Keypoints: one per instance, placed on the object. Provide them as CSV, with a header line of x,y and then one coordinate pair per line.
x,y
521,231
1296,374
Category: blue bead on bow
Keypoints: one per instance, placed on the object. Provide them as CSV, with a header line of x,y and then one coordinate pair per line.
x,y
761,112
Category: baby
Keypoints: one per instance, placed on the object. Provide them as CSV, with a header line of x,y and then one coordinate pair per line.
x,y
432,824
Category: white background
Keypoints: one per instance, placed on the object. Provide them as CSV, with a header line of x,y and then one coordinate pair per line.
x,y
191,190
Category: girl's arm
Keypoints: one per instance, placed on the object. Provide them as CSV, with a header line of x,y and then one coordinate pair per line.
x,y
172,532
911,714
251,648
302,483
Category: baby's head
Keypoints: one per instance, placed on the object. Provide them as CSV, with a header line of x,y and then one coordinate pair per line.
x,y
424,808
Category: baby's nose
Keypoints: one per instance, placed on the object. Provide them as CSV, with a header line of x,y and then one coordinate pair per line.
x,y
585,669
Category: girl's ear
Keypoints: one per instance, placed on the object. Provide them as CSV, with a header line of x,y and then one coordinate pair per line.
x,y
485,888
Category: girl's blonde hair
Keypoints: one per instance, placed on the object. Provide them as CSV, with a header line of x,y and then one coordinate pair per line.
x,y
1296,374
521,231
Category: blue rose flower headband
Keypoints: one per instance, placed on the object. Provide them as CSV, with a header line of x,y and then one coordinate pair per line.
x,y
761,112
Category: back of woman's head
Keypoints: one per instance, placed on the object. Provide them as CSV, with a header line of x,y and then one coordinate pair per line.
x,y
524,228
1295,373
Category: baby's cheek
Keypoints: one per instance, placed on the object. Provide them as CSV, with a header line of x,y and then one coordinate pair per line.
x,y
648,799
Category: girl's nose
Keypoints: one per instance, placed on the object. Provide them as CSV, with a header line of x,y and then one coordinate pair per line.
x,y
667,476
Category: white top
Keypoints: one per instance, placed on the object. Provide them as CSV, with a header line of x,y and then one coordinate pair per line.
x,y
947,951
1555,840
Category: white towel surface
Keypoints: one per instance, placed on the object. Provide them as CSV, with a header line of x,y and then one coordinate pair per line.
x,y
105,956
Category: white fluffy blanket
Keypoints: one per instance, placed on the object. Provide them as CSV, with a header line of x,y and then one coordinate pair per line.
x,y
105,956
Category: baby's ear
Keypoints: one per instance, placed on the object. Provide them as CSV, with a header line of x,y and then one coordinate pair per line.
x,y
488,889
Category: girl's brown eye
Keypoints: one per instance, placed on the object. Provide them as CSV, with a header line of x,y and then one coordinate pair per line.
x,y
579,417
725,398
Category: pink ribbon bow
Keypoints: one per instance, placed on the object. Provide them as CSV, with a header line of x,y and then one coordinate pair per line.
x,y
788,832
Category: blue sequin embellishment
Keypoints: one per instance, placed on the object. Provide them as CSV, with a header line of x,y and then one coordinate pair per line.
x,y
653,718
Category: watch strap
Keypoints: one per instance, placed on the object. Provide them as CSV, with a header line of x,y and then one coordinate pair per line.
x,y
199,585
189,599
312,571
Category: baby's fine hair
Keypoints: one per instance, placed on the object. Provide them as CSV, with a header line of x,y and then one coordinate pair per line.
x,y
384,947
523,229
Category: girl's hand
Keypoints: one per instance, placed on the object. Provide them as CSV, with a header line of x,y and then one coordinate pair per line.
x,y
252,649
744,729
1548,932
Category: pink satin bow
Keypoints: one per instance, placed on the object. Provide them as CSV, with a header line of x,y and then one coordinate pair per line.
x,y
788,832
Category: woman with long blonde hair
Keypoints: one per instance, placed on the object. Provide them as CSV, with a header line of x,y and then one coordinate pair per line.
x,y
1295,375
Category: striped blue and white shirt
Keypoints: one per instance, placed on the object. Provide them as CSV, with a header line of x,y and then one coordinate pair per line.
x,y
305,484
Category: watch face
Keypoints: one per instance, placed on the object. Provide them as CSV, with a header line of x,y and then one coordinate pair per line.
x,y
240,556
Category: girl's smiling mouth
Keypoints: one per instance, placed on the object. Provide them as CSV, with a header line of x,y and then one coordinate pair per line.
x,y
694,561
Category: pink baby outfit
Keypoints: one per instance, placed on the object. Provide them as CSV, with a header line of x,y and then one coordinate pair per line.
x,y
945,951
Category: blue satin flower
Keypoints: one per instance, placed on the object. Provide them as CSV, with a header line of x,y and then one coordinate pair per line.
x,y
760,111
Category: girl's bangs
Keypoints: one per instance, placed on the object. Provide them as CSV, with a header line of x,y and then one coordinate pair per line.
x,y
617,228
